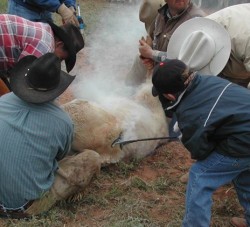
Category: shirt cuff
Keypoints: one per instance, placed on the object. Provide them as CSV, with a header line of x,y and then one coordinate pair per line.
x,y
159,56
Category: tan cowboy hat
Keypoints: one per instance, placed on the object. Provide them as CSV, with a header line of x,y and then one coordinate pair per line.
x,y
73,41
39,80
148,11
202,44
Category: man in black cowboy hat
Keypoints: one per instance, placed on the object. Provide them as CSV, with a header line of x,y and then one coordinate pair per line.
x,y
36,135
20,37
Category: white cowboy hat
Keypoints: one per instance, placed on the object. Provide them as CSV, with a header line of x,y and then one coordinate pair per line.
x,y
202,44
148,11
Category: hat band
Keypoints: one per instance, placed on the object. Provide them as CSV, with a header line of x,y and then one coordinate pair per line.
x,y
31,86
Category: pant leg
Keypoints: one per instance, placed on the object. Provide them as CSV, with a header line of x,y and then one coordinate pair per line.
x,y
74,175
204,178
242,186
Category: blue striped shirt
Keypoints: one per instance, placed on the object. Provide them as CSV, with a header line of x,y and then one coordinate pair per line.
x,y
32,137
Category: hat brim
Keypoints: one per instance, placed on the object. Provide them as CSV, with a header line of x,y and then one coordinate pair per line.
x,y
21,89
62,35
148,11
215,30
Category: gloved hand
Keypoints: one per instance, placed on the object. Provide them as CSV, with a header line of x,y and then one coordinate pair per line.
x,y
145,50
67,15
72,9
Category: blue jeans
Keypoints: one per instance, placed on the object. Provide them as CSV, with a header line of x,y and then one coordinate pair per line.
x,y
208,175
19,10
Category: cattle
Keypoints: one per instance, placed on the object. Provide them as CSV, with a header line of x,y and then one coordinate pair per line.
x,y
97,127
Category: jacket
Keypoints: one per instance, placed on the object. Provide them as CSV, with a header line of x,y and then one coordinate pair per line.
x,y
235,19
214,115
165,26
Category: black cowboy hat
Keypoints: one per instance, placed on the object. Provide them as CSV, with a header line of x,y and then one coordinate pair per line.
x,y
39,80
73,41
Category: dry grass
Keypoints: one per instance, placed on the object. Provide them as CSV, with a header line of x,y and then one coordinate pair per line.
x,y
140,193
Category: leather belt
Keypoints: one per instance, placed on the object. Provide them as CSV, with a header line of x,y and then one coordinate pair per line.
x,y
18,213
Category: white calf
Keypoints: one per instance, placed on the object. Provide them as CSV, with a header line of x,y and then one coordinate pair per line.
x,y
96,127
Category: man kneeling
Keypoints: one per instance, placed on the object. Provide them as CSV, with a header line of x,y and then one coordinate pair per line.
x,y
36,135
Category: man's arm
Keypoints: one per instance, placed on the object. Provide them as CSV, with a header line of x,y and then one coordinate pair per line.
x,y
146,51
66,9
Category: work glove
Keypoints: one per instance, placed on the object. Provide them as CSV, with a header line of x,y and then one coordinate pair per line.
x,y
67,15
72,8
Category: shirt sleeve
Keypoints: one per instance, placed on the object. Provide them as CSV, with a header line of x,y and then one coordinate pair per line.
x,y
160,56
36,40
37,51
199,143
68,142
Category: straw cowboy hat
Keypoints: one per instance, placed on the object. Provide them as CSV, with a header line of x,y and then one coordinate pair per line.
x,y
73,41
148,11
202,44
39,80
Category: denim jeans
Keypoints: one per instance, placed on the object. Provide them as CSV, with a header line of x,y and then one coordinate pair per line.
x,y
19,10
208,175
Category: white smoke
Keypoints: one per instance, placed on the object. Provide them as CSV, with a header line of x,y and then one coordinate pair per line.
x,y
108,55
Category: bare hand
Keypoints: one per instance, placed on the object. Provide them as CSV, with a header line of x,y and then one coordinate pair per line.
x,y
145,50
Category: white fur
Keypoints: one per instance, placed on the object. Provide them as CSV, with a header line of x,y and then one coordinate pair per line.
x,y
96,127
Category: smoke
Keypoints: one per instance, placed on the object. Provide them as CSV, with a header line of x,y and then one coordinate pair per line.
x,y
109,54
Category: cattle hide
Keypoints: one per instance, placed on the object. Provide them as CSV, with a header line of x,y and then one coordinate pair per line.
x,y
96,126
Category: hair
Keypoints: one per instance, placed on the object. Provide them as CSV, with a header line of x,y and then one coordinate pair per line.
x,y
186,76
186,73
59,40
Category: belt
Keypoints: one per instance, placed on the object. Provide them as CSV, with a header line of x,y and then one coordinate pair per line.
x,y
18,213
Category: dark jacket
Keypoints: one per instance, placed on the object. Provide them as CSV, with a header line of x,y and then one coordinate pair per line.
x,y
214,115
165,26
42,5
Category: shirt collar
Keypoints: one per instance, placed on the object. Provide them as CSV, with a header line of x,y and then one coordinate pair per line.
x,y
169,16
182,94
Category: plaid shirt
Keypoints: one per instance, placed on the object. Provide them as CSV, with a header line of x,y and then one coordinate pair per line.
x,y
20,37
